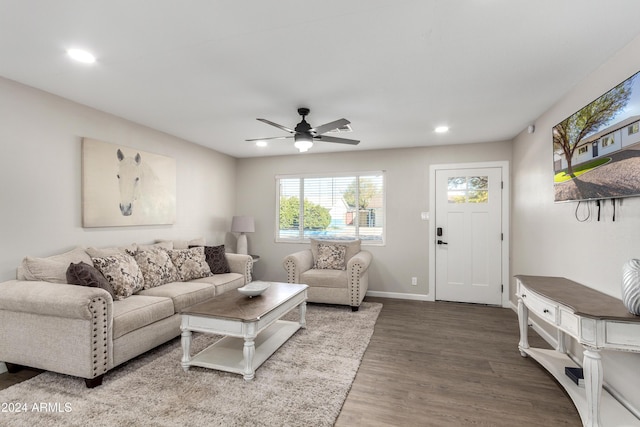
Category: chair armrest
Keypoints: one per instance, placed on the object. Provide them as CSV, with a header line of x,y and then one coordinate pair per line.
x,y
241,264
360,262
358,277
296,264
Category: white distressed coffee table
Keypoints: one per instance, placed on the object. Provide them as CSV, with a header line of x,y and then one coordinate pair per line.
x,y
252,328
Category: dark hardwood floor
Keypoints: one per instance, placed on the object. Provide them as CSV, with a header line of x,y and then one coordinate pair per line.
x,y
444,364
450,364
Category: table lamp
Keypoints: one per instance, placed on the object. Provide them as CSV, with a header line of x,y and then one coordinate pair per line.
x,y
242,224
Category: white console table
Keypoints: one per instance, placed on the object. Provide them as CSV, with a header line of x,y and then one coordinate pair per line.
x,y
597,321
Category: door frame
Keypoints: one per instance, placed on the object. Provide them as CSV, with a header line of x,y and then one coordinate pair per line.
x,y
506,204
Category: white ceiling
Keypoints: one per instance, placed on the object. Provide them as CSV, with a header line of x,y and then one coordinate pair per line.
x,y
204,70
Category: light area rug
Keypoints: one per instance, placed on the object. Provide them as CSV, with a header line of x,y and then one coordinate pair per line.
x,y
304,383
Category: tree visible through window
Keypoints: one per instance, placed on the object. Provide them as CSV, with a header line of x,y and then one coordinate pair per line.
x,y
331,207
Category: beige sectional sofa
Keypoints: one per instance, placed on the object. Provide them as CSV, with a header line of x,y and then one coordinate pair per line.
x,y
85,331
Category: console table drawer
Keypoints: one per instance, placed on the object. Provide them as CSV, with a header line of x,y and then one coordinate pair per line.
x,y
539,305
569,322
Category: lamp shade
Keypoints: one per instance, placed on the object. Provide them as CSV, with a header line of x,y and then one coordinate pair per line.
x,y
242,224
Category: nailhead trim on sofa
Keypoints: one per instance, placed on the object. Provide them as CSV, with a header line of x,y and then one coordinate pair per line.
x,y
100,350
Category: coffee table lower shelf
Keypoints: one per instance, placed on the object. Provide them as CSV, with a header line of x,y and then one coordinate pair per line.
x,y
227,354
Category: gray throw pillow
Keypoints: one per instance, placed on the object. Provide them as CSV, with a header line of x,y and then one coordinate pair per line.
x,y
83,274
216,258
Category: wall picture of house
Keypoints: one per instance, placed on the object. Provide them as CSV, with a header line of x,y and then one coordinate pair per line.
x,y
596,150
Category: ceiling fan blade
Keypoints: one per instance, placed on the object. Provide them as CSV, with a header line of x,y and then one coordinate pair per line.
x,y
326,138
266,139
329,126
284,128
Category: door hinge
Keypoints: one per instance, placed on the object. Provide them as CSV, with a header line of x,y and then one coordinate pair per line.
x,y
501,236
502,289
502,185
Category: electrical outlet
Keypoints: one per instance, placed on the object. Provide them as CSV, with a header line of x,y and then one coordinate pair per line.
x,y
414,281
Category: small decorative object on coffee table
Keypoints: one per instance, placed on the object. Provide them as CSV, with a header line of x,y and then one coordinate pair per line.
x,y
252,327
254,289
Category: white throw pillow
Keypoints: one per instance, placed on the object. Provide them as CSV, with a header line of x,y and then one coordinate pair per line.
x,y
54,268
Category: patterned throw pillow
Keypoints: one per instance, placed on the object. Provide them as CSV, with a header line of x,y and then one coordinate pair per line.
x,y
216,258
122,272
191,263
83,274
156,267
331,257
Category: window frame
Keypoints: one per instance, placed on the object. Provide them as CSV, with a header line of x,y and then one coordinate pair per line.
x,y
301,235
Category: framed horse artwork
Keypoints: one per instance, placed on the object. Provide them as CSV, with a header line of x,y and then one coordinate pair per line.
x,y
124,186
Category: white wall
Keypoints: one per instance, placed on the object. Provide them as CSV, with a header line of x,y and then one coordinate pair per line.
x,y
40,178
546,237
405,254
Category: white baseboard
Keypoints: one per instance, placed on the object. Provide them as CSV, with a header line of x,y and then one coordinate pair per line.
x,y
398,295
3,368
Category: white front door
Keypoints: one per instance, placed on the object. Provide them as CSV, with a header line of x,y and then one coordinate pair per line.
x,y
468,252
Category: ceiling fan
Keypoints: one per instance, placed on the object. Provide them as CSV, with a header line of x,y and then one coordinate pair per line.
x,y
304,134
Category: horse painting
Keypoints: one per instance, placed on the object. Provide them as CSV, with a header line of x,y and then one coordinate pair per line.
x,y
122,186
141,192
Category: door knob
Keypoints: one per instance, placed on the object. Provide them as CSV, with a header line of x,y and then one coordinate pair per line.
x,y
440,242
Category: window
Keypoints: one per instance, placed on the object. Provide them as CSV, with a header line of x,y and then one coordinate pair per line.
x,y
633,128
607,141
349,206
468,189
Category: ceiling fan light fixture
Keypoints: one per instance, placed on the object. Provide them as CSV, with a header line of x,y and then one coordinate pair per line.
x,y
261,143
303,142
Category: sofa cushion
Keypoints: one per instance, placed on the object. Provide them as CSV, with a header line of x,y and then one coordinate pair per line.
x,y
84,274
217,259
156,267
331,256
139,311
352,247
122,272
114,250
223,282
191,263
324,278
165,244
53,268
184,244
182,294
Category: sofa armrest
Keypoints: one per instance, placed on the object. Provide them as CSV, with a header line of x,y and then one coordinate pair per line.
x,y
296,264
241,264
57,327
358,276
52,299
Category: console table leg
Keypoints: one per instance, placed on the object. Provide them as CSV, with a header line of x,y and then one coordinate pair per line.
x,y
186,349
592,366
523,320
562,343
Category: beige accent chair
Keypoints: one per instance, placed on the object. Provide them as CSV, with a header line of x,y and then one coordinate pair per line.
x,y
336,271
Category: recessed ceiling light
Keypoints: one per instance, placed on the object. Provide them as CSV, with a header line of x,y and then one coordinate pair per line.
x,y
261,143
442,129
81,56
